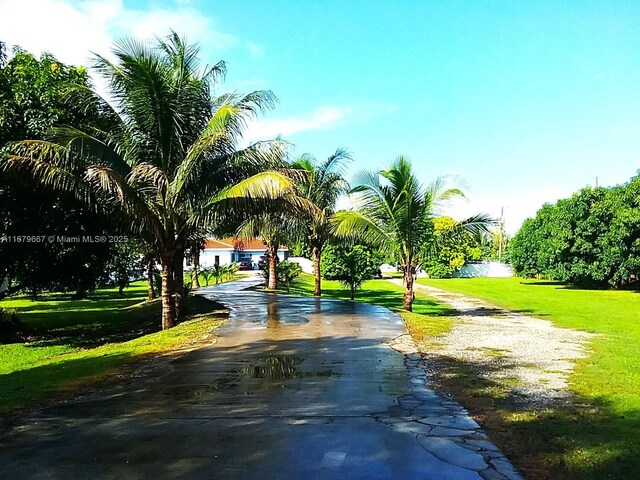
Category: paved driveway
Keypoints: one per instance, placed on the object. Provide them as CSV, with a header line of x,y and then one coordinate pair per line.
x,y
296,388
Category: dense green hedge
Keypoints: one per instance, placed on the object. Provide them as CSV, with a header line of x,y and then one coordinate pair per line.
x,y
591,239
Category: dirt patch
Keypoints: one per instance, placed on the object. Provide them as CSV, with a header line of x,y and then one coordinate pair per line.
x,y
530,356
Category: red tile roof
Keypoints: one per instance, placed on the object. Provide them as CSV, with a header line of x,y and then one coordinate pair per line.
x,y
238,244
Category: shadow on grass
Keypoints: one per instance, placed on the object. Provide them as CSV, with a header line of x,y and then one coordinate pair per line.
x,y
55,381
91,329
584,440
63,376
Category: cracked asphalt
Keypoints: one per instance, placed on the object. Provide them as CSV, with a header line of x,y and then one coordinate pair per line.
x,y
295,388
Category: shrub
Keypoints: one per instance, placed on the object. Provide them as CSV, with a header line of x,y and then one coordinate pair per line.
x,y
287,273
11,329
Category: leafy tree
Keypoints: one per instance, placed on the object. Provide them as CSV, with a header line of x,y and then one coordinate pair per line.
x,y
287,273
452,252
396,212
165,153
32,100
350,264
207,274
320,186
591,239
126,262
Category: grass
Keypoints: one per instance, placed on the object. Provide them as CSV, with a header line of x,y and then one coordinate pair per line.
x,y
76,342
599,435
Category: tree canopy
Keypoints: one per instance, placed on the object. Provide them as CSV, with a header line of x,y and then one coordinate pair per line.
x,y
164,152
395,212
591,239
33,99
350,264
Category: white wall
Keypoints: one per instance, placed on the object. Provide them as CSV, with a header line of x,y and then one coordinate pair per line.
x,y
485,269
208,257
305,263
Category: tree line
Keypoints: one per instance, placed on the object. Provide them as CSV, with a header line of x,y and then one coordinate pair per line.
x,y
160,161
590,240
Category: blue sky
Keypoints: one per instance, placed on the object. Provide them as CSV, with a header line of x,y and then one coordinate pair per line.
x,y
524,101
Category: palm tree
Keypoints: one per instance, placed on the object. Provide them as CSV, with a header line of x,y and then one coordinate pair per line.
x,y
395,212
272,229
165,152
320,186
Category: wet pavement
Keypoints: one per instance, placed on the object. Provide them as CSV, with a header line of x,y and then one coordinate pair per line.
x,y
295,388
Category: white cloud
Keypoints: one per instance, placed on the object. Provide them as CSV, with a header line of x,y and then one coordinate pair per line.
x,y
516,207
323,118
72,30
255,50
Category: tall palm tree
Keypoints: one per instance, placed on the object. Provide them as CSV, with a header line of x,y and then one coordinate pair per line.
x,y
320,186
395,212
165,152
272,229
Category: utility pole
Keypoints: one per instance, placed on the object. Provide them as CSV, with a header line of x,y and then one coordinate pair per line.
x,y
500,230
501,235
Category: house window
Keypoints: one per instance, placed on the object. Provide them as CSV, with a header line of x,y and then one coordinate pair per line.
x,y
217,260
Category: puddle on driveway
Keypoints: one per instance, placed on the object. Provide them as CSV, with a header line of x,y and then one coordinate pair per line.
x,y
258,373
280,367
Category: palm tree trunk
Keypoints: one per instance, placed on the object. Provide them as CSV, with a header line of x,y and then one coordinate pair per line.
x,y
178,286
195,253
151,288
168,305
315,255
407,299
272,257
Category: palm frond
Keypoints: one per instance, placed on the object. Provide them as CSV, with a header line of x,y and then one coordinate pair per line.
x,y
353,225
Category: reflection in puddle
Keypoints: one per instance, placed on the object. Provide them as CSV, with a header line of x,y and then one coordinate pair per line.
x,y
274,368
279,368
274,317
271,368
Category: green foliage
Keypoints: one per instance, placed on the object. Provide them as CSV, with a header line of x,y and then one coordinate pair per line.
x,y
164,153
451,252
591,239
287,272
319,185
33,99
395,212
350,264
126,262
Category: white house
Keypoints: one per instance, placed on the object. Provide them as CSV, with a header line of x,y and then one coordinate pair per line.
x,y
227,250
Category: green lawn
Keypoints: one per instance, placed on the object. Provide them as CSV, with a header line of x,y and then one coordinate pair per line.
x,y
73,342
600,437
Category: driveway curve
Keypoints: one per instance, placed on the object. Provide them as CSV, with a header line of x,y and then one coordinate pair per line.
x,y
295,388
